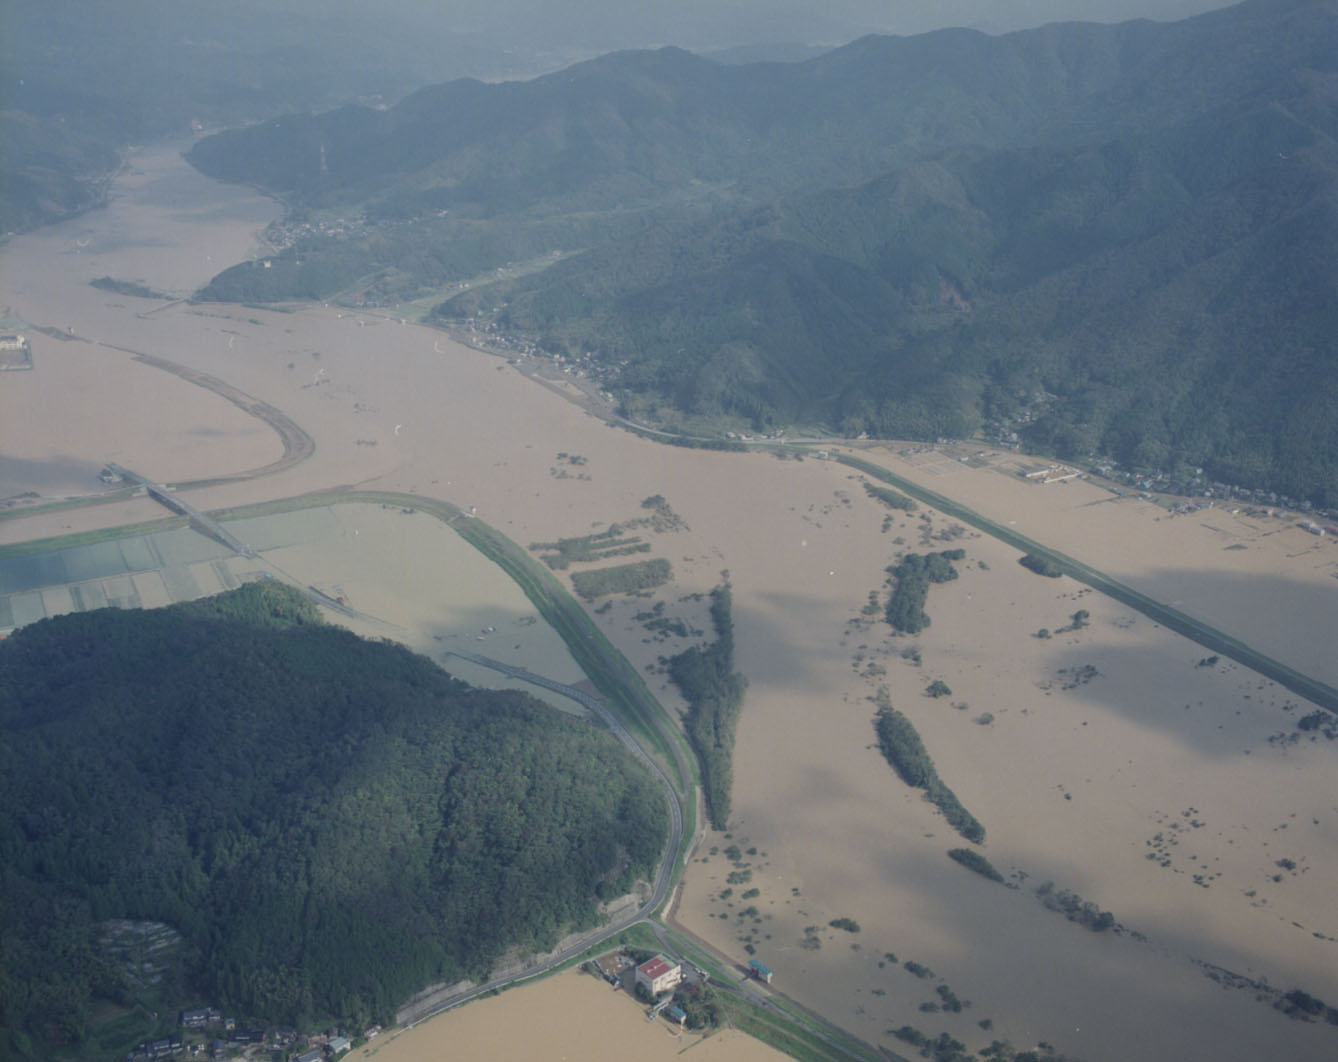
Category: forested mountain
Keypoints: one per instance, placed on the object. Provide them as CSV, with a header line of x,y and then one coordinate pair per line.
x,y
81,79
329,823
635,125
1107,239
1162,299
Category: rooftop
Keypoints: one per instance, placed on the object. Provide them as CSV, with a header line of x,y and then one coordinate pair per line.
x,y
656,967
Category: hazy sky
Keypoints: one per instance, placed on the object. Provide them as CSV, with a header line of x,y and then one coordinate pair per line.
x,y
313,53
709,23
600,25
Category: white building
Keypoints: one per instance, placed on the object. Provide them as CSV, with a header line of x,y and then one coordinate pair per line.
x,y
659,975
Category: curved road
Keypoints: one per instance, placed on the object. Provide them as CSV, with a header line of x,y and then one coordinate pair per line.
x,y
818,1026
297,444
662,877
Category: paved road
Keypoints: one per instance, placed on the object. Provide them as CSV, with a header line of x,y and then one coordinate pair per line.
x,y
744,987
203,522
625,736
675,939
667,860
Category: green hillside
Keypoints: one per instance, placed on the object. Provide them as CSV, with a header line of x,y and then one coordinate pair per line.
x,y
329,823
1167,300
1096,240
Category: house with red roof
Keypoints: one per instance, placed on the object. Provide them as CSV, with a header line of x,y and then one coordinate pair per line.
x,y
659,975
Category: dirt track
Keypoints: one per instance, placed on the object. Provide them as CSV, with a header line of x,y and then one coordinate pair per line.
x,y
297,444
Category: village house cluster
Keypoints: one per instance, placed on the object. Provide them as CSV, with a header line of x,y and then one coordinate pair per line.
x,y
220,1035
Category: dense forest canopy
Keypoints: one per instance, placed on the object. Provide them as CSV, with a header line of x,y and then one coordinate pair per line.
x,y
714,691
329,823
1095,240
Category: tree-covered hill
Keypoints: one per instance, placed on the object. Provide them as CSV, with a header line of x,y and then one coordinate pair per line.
x,y
635,125
330,823
1114,240
1164,299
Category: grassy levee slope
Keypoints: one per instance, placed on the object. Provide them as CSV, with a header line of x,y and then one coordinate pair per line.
x,y
1313,690
86,538
20,512
787,1033
781,1022
609,670
621,686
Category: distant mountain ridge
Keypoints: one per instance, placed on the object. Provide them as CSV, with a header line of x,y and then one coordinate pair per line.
x,y
80,80
668,116
1102,239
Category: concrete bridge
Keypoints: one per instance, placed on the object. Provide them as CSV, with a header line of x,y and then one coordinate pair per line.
x,y
202,522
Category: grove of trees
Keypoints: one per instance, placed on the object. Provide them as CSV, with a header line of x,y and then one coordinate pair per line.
x,y
914,575
901,746
329,823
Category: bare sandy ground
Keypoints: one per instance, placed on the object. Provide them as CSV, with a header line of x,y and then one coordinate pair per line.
x,y
571,1016
1104,760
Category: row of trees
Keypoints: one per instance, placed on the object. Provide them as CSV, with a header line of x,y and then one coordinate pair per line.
x,y
622,578
714,692
973,860
564,552
893,499
329,823
901,746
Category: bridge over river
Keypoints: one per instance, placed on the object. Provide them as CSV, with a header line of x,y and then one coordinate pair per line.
x,y
202,521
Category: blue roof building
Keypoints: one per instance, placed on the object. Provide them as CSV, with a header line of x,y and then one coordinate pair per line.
x,y
761,972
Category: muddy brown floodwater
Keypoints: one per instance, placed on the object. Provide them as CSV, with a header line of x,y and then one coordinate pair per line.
x,y
1109,760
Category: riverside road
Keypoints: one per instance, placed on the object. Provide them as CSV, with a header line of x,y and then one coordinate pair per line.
x,y
662,878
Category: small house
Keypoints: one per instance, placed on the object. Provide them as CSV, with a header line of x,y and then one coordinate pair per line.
x,y
760,971
285,1035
